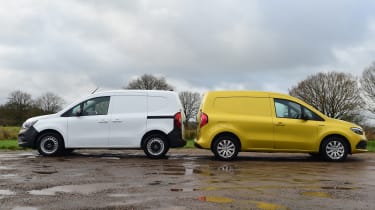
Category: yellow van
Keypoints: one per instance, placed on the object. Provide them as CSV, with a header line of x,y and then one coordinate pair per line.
x,y
233,121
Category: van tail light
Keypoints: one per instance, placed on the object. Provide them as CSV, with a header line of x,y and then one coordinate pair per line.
x,y
177,119
204,119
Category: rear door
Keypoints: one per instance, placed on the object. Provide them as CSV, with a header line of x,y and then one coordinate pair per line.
x,y
128,120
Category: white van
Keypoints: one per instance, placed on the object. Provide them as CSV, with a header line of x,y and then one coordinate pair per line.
x,y
145,119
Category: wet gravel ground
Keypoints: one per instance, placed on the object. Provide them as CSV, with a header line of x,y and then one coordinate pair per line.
x,y
186,179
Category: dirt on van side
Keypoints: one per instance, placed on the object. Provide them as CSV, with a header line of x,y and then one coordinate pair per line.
x,y
186,179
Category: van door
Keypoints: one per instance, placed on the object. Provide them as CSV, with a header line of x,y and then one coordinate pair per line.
x,y
291,132
128,120
88,123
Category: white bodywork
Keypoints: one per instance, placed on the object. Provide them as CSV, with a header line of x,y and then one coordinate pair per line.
x,y
131,114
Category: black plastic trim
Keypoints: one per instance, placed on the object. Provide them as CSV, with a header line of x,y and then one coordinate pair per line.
x,y
361,145
160,117
28,137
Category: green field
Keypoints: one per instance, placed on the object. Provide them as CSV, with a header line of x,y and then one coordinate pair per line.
x,y
9,145
189,144
371,146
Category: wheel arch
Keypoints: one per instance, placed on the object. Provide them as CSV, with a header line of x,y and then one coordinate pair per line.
x,y
150,133
226,133
338,136
48,131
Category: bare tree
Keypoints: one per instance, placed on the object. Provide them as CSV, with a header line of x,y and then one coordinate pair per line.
x,y
334,94
190,102
149,82
368,87
18,107
49,102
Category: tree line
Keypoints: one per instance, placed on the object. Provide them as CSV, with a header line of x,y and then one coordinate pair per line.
x,y
336,94
20,106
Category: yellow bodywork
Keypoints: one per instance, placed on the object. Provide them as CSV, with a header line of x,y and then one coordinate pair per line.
x,y
251,116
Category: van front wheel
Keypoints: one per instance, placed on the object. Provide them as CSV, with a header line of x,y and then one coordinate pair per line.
x,y
50,144
334,149
155,146
225,148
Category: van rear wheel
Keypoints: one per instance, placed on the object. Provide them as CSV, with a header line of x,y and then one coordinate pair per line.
x,y
226,147
155,146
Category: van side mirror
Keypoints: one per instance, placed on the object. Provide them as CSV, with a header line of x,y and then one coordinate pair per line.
x,y
304,116
79,113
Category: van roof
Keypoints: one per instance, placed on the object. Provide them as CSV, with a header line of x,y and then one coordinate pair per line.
x,y
228,93
146,92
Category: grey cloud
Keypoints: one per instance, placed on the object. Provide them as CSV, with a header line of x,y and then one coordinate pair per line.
x,y
252,44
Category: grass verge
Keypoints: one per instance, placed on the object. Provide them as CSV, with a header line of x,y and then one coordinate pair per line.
x,y
189,143
371,146
9,145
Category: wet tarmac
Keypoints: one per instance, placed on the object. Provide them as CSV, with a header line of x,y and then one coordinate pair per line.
x,y
186,179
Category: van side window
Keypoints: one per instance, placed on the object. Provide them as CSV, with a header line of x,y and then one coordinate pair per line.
x,y
94,106
289,109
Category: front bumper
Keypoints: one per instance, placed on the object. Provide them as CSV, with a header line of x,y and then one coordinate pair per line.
x,y
28,137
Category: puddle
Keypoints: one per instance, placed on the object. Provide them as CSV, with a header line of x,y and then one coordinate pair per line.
x,y
184,189
44,171
110,158
5,168
269,206
317,194
5,176
155,183
120,195
6,192
215,199
85,189
24,208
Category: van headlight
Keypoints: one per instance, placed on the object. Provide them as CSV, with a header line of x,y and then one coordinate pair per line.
x,y
28,124
357,130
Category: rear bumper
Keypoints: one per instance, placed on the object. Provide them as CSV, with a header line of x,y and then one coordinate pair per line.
x,y
175,139
27,137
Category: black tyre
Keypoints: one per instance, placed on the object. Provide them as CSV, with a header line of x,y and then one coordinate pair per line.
x,y
68,151
316,156
226,147
334,149
155,146
50,144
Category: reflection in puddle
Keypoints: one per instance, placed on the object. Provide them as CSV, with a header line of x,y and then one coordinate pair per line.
x,y
5,176
6,192
82,189
317,194
215,199
45,171
269,206
184,189
24,208
340,188
119,195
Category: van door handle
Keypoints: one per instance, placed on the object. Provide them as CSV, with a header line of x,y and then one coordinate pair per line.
x,y
103,121
116,121
280,124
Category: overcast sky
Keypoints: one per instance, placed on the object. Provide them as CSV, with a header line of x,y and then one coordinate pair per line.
x,y
72,47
